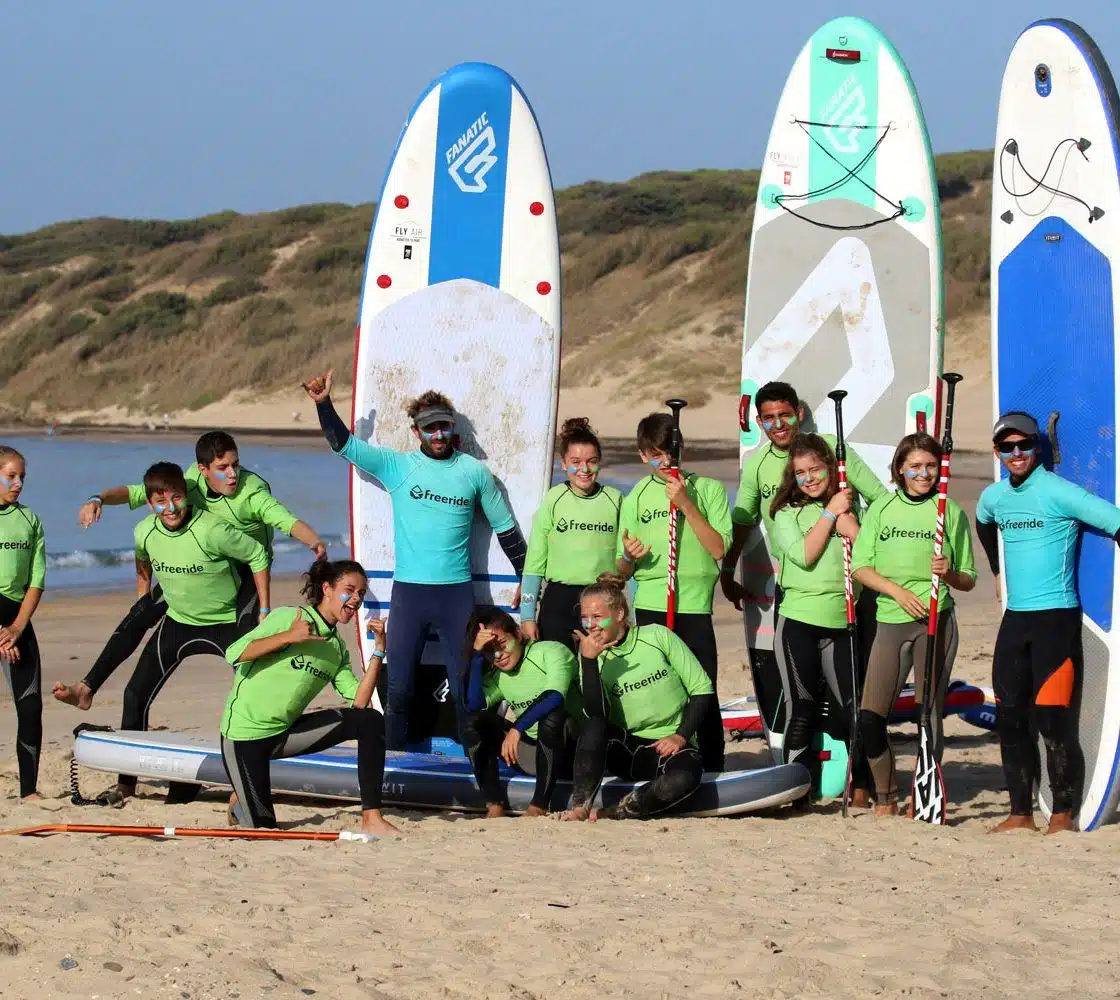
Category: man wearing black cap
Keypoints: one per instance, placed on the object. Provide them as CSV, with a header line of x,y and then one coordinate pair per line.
x,y
1038,650
434,492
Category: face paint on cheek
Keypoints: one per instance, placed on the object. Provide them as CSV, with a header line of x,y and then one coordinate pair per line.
x,y
603,623
8,484
654,462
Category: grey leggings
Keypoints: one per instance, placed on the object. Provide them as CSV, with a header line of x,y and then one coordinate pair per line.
x,y
898,648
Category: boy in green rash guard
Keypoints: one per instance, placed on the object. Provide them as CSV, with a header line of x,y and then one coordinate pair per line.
x,y
537,681
811,517
893,555
643,552
23,570
280,666
645,696
574,538
195,557
216,483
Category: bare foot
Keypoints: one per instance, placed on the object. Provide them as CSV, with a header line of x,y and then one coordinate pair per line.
x,y
374,822
33,797
231,817
535,811
1015,823
78,695
495,810
1060,823
887,809
575,815
861,799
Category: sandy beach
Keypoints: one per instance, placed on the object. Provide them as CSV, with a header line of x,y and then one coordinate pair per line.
x,y
460,907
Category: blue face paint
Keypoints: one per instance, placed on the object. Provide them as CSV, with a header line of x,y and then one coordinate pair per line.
x,y
602,623
171,507
655,462
588,467
8,484
222,477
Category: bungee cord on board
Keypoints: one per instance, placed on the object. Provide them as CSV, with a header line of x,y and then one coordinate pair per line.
x,y
850,173
1011,148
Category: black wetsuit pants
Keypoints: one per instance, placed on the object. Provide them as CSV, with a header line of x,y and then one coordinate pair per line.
x,y
24,678
548,756
601,747
697,633
558,615
1035,668
247,761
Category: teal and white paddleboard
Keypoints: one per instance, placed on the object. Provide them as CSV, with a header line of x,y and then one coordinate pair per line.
x,y
844,288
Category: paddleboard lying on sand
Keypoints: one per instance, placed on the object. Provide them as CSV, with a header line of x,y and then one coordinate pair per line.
x,y
418,780
844,285
742,718
1055,305
461,294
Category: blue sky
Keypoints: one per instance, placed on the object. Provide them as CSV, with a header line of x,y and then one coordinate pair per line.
x,y
163,110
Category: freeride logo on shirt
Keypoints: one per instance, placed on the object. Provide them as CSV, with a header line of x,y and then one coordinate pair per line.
x,y
1008,525
162,567
889,533
618,689
419,493
646,516
565,525
25,544
301,662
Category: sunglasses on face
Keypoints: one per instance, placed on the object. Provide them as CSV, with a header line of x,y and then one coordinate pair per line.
x,y
1009,448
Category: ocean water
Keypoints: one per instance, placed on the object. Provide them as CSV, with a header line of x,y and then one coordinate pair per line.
x,y
63,471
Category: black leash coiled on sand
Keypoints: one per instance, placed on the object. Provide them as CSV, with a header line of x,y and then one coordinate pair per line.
x,y
76,797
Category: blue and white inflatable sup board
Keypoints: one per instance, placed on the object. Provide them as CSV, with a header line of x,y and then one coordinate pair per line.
x,y
461,294
1055,302
419,780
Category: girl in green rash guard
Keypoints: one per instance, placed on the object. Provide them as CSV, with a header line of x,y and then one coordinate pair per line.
x,y
645,695
573,540
894,556
281,666
811,517
536,680
23,567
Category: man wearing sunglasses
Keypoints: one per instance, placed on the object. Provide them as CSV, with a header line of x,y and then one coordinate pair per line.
x,y
1038,649
434,493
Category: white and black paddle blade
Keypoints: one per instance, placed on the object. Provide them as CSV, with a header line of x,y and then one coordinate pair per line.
x,y
929,785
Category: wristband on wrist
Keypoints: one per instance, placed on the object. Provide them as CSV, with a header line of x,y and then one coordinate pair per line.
x,y
96,498
626,558
827,513
264,611
379,653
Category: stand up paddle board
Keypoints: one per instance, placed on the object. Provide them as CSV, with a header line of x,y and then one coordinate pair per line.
x,y
461,293
844,284
417,780
1055,303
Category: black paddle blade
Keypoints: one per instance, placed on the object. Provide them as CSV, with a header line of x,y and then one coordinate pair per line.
x,y
929,785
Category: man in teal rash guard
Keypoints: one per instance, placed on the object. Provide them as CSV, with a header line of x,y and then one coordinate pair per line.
x,y
1038,649
434,492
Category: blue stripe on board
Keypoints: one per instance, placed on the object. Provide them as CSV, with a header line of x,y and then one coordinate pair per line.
x,y
387,574
1058,354
472,151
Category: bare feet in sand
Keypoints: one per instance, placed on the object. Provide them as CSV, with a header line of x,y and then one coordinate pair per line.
x,y
374,822
575,815
886,809
861,799
495,810
535,811
77,695
1015,823
1061,823
33,797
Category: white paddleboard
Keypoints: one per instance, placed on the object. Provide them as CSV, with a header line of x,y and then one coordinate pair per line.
x,y
461,294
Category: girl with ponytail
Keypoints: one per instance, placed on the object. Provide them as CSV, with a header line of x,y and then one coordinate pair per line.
x,y
573,540
280,666
644,694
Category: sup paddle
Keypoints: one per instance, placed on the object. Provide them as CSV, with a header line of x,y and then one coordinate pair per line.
x,y
837,397
929,784
676,405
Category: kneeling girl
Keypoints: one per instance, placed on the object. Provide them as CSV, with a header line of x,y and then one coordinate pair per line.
x,y
280,666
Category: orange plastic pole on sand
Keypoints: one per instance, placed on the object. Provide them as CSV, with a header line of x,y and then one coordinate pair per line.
x,y
187,831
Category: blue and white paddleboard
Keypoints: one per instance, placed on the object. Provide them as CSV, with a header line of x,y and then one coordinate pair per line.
x,y
418,780
1055,302
461,294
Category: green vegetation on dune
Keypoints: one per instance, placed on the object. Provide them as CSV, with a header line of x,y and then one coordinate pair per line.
x,y
158,315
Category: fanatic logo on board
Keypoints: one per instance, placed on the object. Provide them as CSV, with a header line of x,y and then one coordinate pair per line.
x,y
845,116
472,155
